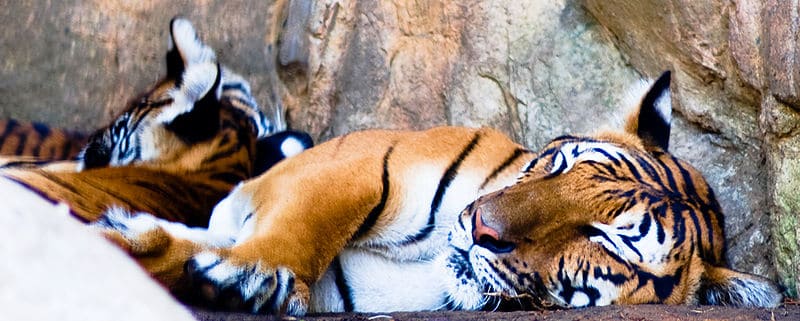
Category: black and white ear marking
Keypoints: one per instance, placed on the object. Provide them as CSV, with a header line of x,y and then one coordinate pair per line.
x,y
276,147
655,113
185,48
201,121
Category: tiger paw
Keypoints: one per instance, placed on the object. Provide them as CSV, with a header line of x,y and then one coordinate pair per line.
x,y
139,235
250,287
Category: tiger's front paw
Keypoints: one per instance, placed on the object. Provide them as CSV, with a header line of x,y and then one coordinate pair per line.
x,y
251,287
139,235
150,244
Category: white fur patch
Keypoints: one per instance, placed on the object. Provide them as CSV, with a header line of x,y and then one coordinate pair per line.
x,y
632,99
579,299
222,273
627,225
663,105
572,153
206,258
292,146
192,50
134,225
381,284
233,216
197,81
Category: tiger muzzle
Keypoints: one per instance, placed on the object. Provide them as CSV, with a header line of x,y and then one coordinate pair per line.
x,y
487,237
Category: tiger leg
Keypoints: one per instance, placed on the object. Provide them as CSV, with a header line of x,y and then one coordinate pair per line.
x,y
299,220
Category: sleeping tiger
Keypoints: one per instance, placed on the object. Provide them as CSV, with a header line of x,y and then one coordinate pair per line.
x,y
460,218
175,151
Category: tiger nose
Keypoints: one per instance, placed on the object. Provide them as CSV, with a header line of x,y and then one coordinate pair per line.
x,y
487,237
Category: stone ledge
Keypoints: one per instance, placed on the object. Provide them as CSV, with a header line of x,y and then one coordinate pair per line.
x,y
637,313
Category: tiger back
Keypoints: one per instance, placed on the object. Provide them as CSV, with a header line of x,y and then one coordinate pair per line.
x,y
38,141
33,144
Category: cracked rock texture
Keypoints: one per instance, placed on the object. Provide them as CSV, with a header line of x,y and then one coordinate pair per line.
x,y
535,69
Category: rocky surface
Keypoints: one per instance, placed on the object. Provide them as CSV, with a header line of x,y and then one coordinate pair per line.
x,y
534,69
57,268
621,313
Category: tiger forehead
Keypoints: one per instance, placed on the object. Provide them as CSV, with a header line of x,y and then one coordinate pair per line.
x,y
565,155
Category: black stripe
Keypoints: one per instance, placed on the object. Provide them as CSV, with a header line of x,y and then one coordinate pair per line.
x,y
233,86
632,168
372,218
668,173
676,209
341,285
444,183
649,169
564,138
58,181
691,191
43,132
10,126
607,155
531,165
228,177
223,153
132,128
510,160
66,150
21,146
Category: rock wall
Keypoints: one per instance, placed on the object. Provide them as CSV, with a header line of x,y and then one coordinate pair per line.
x,y
77,63
535,69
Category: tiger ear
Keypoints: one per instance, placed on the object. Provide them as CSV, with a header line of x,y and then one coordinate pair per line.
x,y
198,119
652,120
185,48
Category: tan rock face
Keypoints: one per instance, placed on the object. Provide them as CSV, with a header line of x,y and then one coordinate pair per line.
x,y
534,69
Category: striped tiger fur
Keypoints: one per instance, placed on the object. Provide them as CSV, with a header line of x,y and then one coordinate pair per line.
x,y
36,144
370,222
176,150
37,140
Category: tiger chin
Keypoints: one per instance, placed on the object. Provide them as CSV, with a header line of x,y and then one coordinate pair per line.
x,y
464,219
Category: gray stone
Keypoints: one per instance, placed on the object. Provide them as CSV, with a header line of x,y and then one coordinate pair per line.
x,y
76,63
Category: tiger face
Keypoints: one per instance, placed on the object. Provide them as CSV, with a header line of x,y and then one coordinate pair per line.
x,y
605,219
181,114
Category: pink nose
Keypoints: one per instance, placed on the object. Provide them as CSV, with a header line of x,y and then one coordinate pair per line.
x,y
480,230
487,237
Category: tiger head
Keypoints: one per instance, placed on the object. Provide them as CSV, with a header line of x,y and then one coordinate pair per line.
x,y
183,116
606,219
